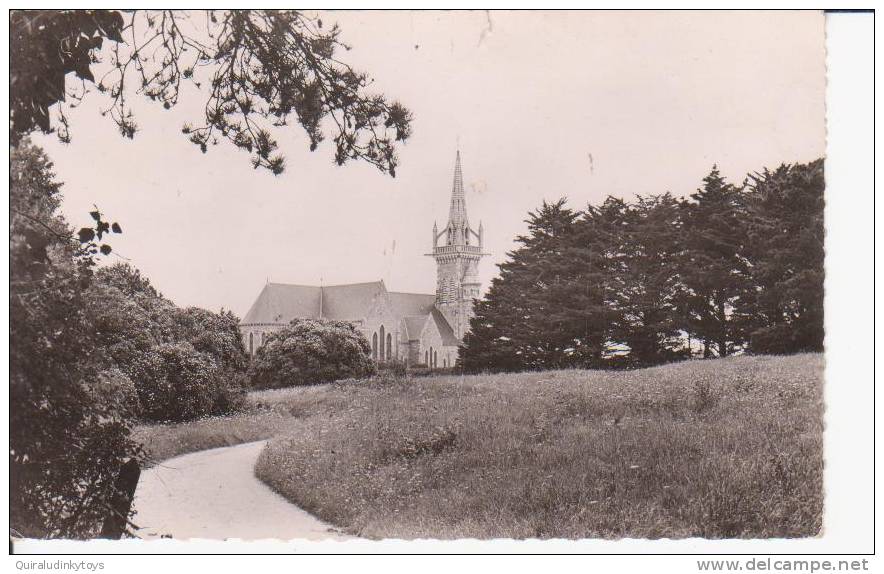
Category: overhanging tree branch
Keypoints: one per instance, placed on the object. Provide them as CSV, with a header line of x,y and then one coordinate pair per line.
x,y
260,69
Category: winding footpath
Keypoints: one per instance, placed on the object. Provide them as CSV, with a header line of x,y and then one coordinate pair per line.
x,y
214,494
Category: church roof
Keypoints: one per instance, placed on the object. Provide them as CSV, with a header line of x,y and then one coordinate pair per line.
x,y
405,304
414,326
349,302
280,303
445,329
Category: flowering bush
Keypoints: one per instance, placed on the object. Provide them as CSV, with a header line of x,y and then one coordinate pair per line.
x,y
137,328
181,383
311,351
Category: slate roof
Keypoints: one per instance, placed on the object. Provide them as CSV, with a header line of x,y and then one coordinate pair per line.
x,y
410,304
445,329
349,302
279,303
414,326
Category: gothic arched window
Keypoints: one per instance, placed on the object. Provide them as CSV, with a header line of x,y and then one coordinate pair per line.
x,y
389,346
251,343
435,359
427,358
382,353
374,346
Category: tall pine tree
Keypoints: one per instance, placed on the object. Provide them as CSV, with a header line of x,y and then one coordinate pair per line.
x,y
647,287
786,233
524,322
596,254
714,267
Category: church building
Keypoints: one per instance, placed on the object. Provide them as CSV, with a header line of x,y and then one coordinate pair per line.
x,y
416,328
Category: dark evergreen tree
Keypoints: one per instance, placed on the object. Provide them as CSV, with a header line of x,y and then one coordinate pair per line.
x,y
786,233
646,287
524,321
489,345
714,267
554,298
598,256
624,284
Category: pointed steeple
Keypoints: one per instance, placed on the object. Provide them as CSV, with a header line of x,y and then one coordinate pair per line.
x,y
457,260
458,224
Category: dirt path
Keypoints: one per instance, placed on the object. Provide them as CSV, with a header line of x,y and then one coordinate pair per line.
x,y
214,494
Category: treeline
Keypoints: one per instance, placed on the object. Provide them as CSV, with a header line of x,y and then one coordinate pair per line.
x,y
93,351
732,268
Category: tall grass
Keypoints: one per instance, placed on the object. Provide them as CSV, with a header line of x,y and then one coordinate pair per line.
x,y
263,416
723,448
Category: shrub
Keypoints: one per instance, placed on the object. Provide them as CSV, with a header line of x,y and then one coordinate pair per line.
x,y
395,368
780,339
179,383
216,334
232,393
134,320
704,397
116,388
311,351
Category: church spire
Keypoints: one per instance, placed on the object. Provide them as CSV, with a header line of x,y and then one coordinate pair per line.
x,y
458,224
457,259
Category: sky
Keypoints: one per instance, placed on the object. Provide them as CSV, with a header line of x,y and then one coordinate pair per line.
x,y
542,105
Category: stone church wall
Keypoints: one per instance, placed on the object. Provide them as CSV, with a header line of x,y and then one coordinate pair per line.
x,y
253,335
431,344
380,315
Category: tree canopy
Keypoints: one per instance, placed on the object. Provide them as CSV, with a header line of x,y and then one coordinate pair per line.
x,y
786,234
715,268
92,352
69,407
631,284
259,71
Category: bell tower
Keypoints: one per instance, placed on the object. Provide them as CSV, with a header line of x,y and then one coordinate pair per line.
x,y
457,249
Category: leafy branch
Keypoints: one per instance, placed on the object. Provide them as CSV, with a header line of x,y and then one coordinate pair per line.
x,y
90,237
261,70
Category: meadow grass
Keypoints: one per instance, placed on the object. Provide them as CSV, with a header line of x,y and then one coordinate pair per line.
x,y
164,441
266,414
717,449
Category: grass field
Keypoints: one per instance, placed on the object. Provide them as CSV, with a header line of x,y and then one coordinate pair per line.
x,y
164,441
267,414
719,448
